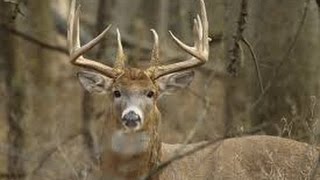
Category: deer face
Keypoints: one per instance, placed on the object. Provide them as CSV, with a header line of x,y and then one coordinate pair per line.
x,y
134,94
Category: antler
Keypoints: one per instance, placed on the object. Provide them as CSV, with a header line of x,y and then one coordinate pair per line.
x,y
199,52
76,51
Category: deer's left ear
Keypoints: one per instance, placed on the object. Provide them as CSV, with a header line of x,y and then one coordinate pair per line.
x,y
173,82
94,82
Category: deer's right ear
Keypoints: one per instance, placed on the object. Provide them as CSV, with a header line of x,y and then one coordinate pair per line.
x,y
94,82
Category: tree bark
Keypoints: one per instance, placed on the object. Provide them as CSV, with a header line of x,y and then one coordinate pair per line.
x,y
13,96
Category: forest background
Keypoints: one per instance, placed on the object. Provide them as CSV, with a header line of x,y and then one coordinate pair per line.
x,y
262,76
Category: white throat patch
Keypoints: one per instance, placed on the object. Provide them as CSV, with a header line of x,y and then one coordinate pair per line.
x,y
129,143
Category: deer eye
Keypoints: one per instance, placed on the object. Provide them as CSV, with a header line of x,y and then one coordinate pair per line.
x,y
116,93
150,94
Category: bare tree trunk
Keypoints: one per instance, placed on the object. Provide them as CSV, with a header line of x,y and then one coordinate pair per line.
x,y
103,17
52,99
163,24
13,96
237,90
124,21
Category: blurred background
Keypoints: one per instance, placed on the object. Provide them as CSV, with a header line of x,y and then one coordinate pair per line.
x,y
262,77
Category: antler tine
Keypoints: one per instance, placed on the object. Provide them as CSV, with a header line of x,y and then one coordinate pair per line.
x,y
154,63
199,52
155,49
120,61
70,27
75,49
205,39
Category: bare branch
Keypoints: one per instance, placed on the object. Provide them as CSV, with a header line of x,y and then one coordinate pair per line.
x,y
31,39
48,153
256,63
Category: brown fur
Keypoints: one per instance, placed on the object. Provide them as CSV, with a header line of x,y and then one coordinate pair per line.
x,y
252,157
246,158
134,78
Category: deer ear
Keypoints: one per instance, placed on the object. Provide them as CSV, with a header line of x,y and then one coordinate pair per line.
x,y
173,82
94,82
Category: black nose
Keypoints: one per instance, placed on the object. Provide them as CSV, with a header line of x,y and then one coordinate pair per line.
x,y
131,119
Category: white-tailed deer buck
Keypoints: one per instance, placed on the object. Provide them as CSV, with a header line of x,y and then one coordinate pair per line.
x,y
133,146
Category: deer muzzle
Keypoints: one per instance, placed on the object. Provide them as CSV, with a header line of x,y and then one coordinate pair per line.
x,y
131,119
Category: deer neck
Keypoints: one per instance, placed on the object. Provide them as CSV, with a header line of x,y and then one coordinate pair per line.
x,y
132,155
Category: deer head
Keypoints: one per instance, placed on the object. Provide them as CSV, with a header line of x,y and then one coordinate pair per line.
x,y
136,91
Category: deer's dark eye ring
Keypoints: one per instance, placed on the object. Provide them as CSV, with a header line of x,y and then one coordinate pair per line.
x,y
150,94
116,94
